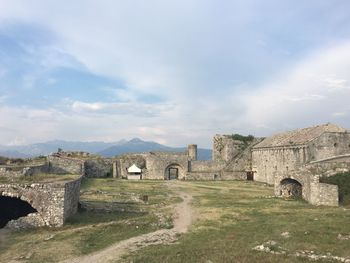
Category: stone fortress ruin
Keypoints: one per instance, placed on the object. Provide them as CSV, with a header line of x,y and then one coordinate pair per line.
x,y
292,161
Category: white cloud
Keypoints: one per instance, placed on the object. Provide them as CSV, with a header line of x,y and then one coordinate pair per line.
x,y
216,68
314,91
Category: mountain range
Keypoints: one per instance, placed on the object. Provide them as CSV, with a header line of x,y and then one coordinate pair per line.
x,y
106,149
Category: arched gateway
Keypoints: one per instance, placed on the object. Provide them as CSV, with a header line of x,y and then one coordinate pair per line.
x,y
173,172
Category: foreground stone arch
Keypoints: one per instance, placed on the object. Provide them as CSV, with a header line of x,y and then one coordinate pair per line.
x,y
52,203
13,208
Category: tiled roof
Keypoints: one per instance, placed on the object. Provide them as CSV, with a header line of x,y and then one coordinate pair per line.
x,y
298,137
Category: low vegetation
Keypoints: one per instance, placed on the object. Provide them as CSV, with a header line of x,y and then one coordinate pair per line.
x,y
242,138
38,178
342,180
235,217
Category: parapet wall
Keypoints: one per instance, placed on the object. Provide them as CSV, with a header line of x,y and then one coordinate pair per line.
x,y
97,168
65,165
18,171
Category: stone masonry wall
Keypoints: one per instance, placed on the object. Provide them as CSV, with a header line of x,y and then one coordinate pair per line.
x,y
96,168
158,162
225,148
329,144
266,161
65,165
71,198
15,172
55,202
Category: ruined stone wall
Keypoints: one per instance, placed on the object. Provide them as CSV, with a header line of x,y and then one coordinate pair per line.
x,y
158,162
65,165
206,166
55,202
123,162
18,171
71,198
328,145
313,191
97,168
329,167
328,195
225,148
266,161
205,176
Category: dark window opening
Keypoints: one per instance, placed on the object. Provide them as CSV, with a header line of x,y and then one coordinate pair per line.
x,y
13,208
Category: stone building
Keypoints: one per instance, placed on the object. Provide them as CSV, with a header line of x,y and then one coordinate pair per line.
x,y
294,161
291,150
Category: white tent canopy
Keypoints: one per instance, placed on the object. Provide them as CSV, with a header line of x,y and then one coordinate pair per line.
x,y
134,169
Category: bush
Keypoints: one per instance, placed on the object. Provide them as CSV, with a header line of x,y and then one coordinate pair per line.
x,y
242,138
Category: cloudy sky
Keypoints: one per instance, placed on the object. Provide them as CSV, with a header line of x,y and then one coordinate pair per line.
x,y
175,72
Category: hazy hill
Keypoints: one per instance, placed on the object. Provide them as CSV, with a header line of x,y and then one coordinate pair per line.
x,y
105,149
137,145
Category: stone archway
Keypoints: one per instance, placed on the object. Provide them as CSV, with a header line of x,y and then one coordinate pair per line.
x,y
13,208
173,172
290,188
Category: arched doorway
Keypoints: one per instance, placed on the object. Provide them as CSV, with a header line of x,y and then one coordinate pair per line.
x,y
173,172
12,208
290,188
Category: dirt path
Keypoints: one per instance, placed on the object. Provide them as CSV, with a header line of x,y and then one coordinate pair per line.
x,y
182,221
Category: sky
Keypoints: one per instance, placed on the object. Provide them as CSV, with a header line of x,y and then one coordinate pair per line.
x,y
175,72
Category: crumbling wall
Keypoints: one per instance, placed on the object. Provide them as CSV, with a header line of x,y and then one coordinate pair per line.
x,y
313,191
55,202
71,198
18,171
65,165
97,168
123,162
225,148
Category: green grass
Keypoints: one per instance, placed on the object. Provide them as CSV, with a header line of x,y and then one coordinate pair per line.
x,y
342,180
234,217
230,219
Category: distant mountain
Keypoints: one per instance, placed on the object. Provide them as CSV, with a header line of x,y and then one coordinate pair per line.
x,y
102,148
138,146
52,146
13,154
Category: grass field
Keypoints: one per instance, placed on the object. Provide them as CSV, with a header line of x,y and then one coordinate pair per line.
x,y
231,218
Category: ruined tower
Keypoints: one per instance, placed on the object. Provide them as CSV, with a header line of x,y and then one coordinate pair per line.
x,y
192,152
